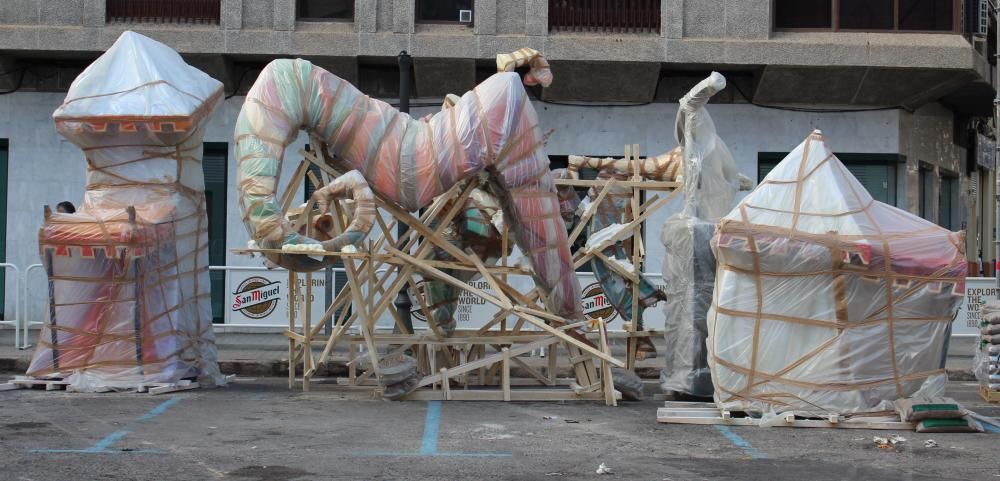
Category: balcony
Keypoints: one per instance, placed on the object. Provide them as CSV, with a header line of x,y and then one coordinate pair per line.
x,y
163,11
604,16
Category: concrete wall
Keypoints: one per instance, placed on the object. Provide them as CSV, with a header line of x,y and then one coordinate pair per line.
x,y
717,32
926,137
46,169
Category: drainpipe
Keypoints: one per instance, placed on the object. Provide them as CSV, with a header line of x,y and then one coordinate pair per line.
x,y
996,141
403,302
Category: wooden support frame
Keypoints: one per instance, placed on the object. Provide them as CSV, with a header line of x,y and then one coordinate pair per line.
x,y
498,361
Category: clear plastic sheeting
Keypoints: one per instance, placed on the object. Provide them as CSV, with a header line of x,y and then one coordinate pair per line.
x,y
493,128
710,177
826,300
129,298
710,185
689,272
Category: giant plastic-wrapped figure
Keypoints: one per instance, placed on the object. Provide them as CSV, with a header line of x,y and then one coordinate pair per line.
x,y
826,300
710,185
128,272
492,129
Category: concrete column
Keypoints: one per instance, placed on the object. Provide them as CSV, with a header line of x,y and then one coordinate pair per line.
x,y
284,15
672,18
536,21
232,14
485,17
94,13
365,16
403,15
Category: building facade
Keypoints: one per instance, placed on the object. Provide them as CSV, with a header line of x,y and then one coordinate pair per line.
x,y
902,88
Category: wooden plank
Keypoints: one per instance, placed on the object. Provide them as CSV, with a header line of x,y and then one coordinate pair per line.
x,y
657,185
516,395
292,187
179,386
489,360
713,416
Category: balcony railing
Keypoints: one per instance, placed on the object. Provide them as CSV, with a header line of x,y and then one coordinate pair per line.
x,y
607,16
163,11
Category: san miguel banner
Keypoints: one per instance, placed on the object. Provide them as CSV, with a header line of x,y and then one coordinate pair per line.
x,y
473,312
260,297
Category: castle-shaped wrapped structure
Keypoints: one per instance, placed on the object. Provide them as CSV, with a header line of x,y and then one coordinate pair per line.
x,y
128,272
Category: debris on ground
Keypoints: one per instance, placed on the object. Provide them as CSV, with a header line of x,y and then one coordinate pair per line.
x,y
572,421
892,442
604,469
550,417
930,443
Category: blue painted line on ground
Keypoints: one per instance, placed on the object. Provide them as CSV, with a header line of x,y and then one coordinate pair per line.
x,y
432,424
101,447
435,455
741,443
429,442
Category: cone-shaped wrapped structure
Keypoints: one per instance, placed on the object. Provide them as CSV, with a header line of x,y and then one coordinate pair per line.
x,y
827,300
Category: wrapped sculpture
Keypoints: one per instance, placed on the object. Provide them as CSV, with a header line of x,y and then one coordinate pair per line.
x,y
710,185
492,130
827,301
129,298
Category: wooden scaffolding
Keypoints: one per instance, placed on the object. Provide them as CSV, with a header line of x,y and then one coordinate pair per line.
x,y
464,365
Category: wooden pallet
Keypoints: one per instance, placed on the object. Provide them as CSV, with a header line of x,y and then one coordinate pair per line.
x,y
709,413
988,395
154,388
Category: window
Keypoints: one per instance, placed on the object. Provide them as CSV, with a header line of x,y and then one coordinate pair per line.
x,y
926,14
214,164
876,172
633,16
927,201
869,15
947,202
803,13
162,11
866,14
324,10
444,11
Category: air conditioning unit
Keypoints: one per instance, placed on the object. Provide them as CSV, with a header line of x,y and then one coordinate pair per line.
x,y
465,16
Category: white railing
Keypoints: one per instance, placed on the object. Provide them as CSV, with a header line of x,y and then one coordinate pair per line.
x,y
16,321
27,312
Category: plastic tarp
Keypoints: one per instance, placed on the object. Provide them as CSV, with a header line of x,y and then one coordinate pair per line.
x,y
710,185
406,161
826,300
128,272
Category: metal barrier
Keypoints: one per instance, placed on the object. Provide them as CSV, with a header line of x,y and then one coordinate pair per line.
x,y
26,315
16,322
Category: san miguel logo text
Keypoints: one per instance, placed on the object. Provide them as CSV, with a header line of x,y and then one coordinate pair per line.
x,y
596,304
257,297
